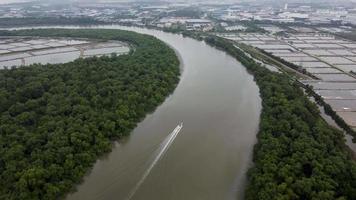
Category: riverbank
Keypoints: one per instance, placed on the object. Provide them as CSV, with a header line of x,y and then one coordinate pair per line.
x,y
271,145
216,136
296,147
209,78
56,120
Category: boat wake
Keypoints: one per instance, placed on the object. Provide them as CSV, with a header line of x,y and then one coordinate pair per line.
x,y
162,150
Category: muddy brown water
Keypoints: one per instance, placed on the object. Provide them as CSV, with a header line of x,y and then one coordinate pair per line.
x,y
219,105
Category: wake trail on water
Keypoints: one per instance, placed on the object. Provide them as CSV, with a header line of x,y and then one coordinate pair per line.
x,y
164,147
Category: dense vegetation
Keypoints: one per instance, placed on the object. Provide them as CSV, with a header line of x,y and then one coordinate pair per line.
x,y
329,111
289,64
42,21
298,155
187,12
251,26
55,120
347,35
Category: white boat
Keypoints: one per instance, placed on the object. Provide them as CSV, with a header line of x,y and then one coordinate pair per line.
x,y
178,128
166,144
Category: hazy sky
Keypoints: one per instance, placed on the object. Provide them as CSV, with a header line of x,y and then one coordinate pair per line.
x,y
10,1
15,1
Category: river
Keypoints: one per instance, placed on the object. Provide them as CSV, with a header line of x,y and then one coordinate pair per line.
x,y
219,104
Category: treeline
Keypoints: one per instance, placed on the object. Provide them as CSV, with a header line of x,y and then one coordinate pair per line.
x,y
329,111
298,155
187,12
191,34
288,64
43,21
347,35
55,120
251,26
